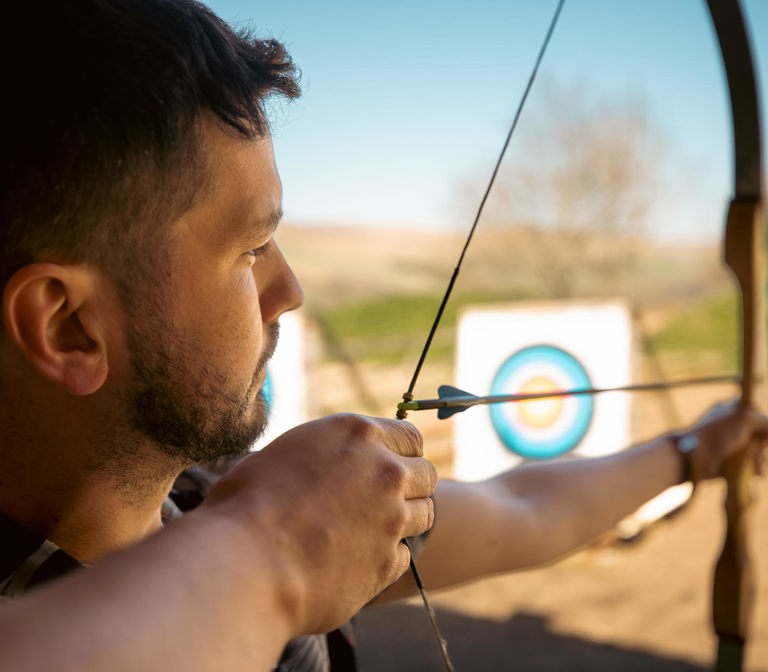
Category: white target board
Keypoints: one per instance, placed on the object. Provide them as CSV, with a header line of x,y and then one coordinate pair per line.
x,y
534,348
285,387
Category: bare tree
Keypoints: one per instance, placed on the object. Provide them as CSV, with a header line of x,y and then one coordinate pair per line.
x,y
577,188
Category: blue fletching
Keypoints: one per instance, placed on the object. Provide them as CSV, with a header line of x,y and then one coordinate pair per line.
x,y
450,392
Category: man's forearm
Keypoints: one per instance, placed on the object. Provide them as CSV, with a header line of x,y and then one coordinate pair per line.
x,y
196,596
534,514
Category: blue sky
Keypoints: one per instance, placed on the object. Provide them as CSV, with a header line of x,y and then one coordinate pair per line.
x,y
407,102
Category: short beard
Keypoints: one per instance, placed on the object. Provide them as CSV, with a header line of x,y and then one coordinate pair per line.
x,y
188,412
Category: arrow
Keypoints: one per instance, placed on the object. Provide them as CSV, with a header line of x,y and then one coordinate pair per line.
x,y
452,400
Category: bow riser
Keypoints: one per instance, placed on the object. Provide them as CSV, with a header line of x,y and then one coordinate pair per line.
x,y
744,244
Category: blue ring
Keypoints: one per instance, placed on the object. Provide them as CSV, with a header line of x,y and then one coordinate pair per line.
x,y
542,448
266,390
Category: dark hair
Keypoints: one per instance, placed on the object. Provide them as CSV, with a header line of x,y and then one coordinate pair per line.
x,y
103,98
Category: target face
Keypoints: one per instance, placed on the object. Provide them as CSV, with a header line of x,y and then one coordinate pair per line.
x,y
534,347
284,387
541,429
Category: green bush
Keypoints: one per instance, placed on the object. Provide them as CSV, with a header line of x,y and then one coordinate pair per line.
x,y
710,325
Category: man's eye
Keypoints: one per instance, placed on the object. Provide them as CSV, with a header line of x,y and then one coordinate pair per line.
x,y
257,252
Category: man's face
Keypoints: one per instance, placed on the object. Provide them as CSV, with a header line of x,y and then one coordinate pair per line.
x,y
200,344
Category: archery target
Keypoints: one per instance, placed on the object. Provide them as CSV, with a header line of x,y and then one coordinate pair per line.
x,y
540,347
541,429
284,386
266,390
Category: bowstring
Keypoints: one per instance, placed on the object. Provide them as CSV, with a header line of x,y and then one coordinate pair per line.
x,y
408,395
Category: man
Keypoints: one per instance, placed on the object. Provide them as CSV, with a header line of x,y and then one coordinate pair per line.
x,y
142,294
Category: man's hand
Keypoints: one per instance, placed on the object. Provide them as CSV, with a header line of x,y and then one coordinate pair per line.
x,y
330,501
724,432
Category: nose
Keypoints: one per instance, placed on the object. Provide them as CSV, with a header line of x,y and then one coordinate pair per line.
x,y
283,291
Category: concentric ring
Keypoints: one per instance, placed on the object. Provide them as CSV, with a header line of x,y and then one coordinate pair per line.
x,y
541,429
266,390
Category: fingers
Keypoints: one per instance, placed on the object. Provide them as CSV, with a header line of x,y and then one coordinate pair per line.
x,y
757,423
400,566
420,479
759,461
730,433
759,441
334,498
415,476
752,433
420,515
400,436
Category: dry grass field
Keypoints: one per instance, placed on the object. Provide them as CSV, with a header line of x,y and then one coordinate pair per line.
x,y
642,606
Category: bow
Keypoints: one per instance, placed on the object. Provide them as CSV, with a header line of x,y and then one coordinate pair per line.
x,y
744,252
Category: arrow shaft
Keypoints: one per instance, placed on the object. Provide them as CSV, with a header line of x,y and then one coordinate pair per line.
x,y
472,400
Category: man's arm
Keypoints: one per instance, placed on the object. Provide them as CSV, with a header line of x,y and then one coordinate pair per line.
x,y
181,598
537,513
294,540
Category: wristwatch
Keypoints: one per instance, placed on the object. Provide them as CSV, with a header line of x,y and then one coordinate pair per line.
x,y
685,445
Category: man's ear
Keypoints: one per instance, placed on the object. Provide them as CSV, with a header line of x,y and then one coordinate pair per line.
x,y
52,316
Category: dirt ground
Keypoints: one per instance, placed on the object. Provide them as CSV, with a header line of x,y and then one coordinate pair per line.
x,y
624,606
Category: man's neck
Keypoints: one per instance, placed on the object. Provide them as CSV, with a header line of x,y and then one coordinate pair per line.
x,y
89,507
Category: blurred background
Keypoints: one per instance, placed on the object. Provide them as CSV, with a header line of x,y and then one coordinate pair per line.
x,y
611,201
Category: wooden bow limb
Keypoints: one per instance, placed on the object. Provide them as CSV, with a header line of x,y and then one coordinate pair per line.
x,y
744,252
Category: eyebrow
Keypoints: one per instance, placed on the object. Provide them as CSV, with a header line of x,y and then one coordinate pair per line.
x,y
274,219
267,224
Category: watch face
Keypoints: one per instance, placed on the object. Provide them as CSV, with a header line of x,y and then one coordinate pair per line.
x,y
687,443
